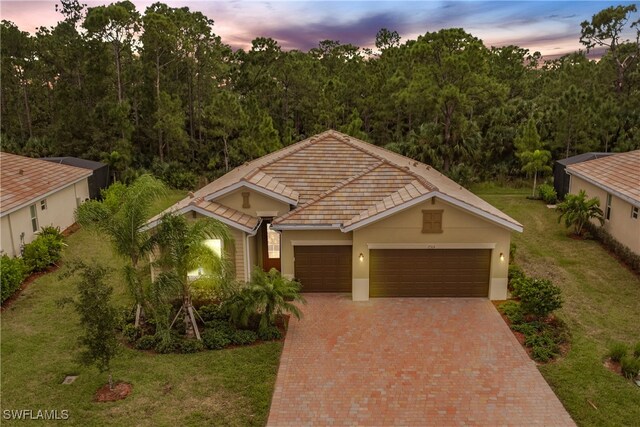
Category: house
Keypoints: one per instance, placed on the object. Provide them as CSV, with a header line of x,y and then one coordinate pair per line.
x,y
560,176
99,178
35,193
342,215
615,181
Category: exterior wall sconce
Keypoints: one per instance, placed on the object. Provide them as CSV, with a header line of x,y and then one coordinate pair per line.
x,y
501,256
361,257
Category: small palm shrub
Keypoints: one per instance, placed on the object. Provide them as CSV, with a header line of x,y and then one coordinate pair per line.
x,y
215,339
577,211
13,271
617,351
630,366
538,297
547,193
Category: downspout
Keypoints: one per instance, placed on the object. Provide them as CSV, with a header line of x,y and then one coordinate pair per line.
x,y
247,258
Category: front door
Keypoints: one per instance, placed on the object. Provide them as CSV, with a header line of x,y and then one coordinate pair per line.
x,y
270,247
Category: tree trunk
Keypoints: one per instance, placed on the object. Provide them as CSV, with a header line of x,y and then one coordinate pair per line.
x,y
27,110
110,381
535,178
160,146
226,155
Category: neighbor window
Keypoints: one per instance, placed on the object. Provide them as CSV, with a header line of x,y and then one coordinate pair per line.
x,y
432,221
43,204
634,212
34,218
608,209
216,246
273,243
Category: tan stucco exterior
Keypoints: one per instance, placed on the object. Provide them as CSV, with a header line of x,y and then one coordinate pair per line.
x,y
260,205
59,212
620,225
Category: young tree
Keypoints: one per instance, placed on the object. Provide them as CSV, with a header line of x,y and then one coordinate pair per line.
x,y
98,318
120,216
181,249
577,211
533,158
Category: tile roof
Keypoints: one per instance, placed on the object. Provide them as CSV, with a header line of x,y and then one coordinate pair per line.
x,y
24,180
618,174
338,180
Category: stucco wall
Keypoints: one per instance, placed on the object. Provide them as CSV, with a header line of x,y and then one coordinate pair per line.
x,y
260,205
459,227
620,225
59,213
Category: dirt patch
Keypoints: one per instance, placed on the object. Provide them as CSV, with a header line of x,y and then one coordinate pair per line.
x,y
27,282
613,366
106,394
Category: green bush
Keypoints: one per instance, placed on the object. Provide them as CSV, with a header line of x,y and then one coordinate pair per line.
x,y
512,252
220,325
243,337
12,273
538,297
45,250
527,329
543,346
513,311
630,366
617,351
515,274
270,333
215,339
169,345
212,312
190,346
636,350
175,175
547,193
130,332
146,342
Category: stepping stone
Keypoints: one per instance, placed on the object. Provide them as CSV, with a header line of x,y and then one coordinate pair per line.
x,y
69,379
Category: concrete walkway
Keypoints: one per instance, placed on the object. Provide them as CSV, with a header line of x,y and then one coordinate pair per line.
x,y
408,361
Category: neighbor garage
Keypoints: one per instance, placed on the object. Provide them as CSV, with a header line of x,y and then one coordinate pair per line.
x,y
323,268
429,272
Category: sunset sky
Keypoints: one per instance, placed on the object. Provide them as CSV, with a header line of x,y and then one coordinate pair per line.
x,y
551,27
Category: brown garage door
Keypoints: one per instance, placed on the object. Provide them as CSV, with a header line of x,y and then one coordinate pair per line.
x,y
429,272
323,268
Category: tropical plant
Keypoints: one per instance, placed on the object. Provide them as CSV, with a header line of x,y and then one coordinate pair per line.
x,y
98,318
121,216
577,211
268,295
182,249
535,162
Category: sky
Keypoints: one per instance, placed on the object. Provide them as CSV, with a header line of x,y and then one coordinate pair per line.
x,y
550,27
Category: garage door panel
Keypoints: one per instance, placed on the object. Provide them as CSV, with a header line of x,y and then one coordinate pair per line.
x,y
323,268
429,272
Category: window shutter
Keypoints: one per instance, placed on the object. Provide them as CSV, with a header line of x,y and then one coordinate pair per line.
x,y
432,221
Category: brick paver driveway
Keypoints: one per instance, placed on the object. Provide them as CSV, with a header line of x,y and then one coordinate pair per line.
x,y
408,361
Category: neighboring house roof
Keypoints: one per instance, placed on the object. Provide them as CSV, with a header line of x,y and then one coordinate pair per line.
x,y
24,180
337,181
76,161
582,158
618,174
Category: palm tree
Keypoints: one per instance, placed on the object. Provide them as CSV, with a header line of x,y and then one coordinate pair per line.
x,y
577,211
534,162
182,249
120,216
268,294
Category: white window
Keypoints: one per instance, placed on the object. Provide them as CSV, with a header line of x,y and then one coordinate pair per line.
x,y
273,243
608,209
34,217
216,246
634,212
43,204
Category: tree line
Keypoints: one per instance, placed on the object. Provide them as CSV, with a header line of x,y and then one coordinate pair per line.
x,y
160,91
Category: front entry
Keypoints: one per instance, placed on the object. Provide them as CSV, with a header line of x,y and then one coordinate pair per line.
x,y
270,246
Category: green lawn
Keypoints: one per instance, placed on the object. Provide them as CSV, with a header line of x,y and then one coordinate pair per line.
x,y
602,304
38,343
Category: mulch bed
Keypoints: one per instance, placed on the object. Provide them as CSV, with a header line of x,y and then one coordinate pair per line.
x,y
120,391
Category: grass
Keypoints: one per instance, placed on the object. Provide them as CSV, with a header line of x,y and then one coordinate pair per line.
x,y
601,306
38,345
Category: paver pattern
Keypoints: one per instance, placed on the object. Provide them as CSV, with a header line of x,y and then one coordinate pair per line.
x,y
408,361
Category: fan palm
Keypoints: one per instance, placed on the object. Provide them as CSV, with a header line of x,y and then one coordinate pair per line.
x,y
577,211
181,249
120,216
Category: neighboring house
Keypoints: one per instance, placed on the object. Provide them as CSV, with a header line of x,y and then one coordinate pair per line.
x,y
99,178
342,215
35,193
560,177
615,180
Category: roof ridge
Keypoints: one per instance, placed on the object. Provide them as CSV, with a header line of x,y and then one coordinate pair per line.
x,y
382,202
294,193
329,191
423,180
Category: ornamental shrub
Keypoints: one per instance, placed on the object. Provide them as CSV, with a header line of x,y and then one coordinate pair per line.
x,y
214,339
212,312
167,345
13,271
36,255
190,346
538,297
547,193
130,332
513,311
617,351
243,337
630,367
146,342
270,333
